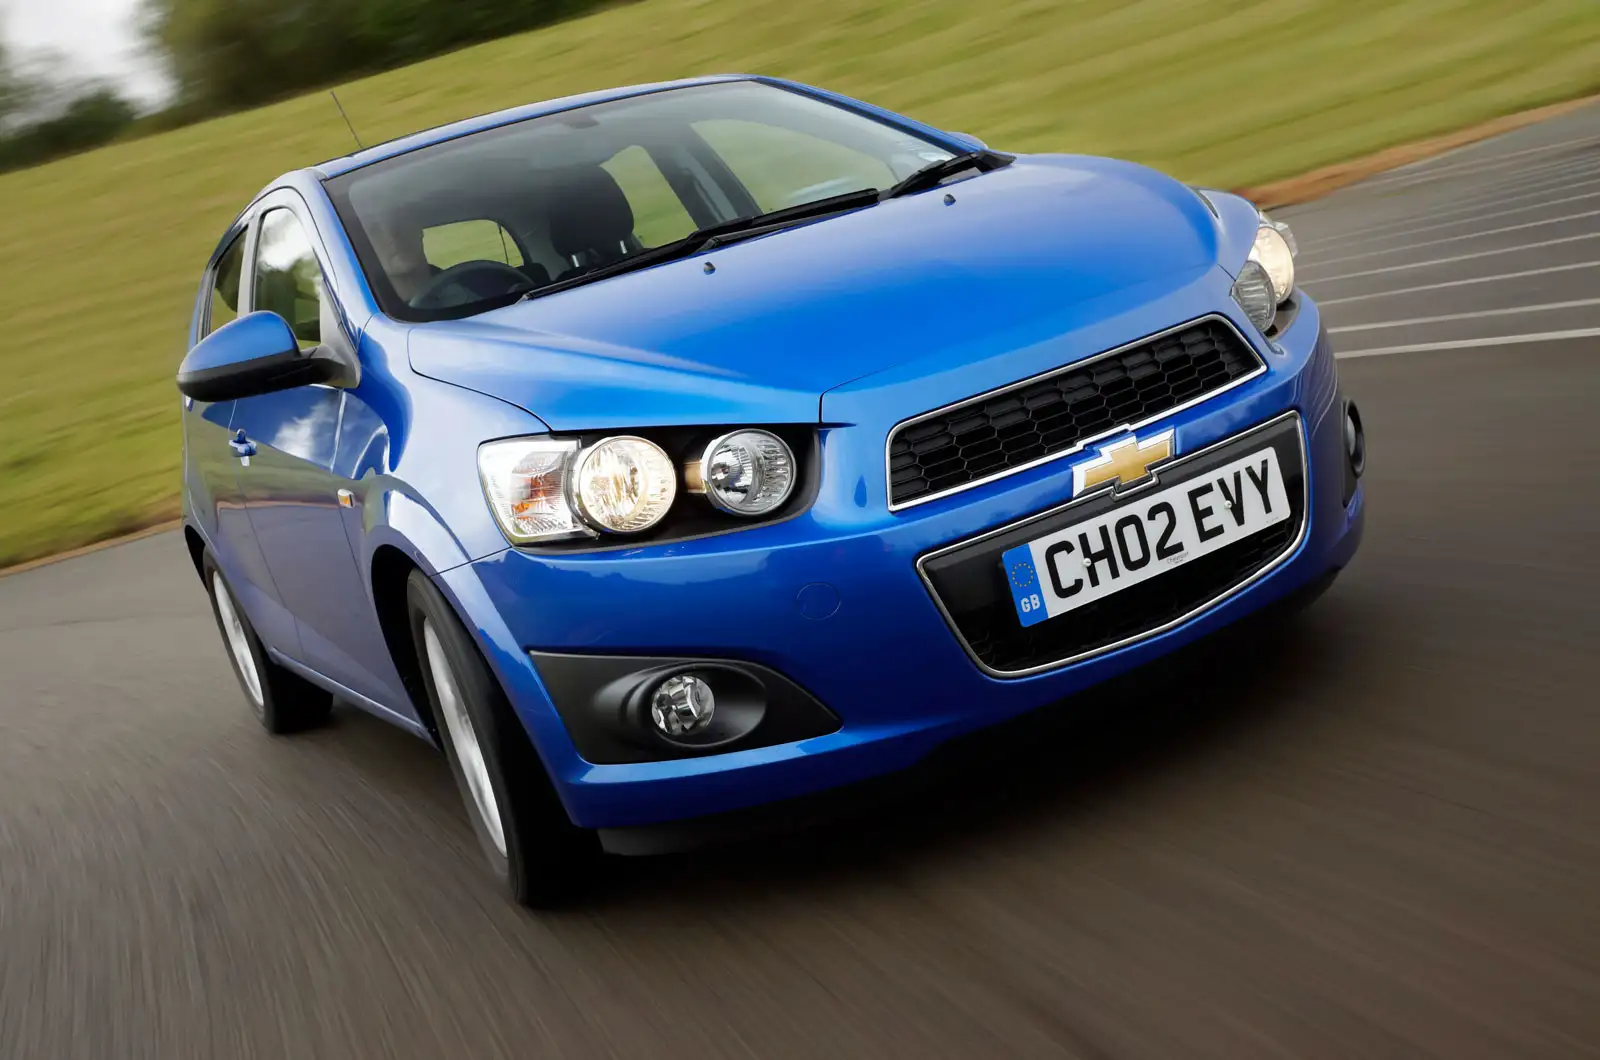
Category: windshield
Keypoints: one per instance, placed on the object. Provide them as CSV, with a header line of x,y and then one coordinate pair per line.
x,y
477,222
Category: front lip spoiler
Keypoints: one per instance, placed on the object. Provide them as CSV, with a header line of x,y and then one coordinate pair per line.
x,y
1267,568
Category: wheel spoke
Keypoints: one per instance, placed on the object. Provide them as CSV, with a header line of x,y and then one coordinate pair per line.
x,y
463,737
238,643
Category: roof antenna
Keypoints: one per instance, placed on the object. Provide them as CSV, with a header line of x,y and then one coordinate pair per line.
x,y
346,118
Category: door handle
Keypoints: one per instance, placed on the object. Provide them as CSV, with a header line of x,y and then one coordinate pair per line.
x,y
241,444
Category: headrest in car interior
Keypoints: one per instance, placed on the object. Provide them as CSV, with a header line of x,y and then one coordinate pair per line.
x,y
587,212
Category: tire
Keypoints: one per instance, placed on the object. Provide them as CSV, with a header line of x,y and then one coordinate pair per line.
x,y
539,856
282,701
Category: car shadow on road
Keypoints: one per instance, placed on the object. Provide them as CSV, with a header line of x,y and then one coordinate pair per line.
x,y
1023,775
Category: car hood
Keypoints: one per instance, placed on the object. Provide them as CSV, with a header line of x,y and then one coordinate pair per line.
x,y
758,331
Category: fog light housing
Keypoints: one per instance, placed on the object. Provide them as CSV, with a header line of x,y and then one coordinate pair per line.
x,y
1355,439
682,705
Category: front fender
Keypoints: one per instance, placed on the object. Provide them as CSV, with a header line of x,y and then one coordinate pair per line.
x,y
1237,220
395,519
410,443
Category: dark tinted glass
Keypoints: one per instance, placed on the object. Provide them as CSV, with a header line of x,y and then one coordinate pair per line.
x,y
583,189
225,286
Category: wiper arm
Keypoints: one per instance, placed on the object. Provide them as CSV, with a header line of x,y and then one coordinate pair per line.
x,y
715,235
932,174
761,223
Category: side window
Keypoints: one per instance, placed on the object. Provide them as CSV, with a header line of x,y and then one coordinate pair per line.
x,y
225,287
658,213
785,167
480,240
288,278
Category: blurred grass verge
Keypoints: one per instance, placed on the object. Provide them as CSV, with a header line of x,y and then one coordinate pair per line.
x,y
100,253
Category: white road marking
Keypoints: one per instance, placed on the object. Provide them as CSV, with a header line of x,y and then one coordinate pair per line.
x,y
1462,344
1429,170
1380,233
1453,160
1490,185
1458,257
1325,302
1466,316
1462,204
1456,239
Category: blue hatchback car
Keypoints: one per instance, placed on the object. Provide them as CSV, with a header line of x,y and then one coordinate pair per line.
x,y
670,450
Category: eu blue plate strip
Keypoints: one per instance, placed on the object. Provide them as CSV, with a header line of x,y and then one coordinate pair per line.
x,y
1024,582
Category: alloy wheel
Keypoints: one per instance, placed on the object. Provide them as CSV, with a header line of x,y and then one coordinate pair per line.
x,y
238,643
463,736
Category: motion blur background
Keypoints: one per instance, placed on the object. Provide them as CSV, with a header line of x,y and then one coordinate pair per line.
x,y
102,249
1373,831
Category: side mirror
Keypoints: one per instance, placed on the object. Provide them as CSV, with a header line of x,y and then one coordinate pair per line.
x,y
968,138
256,354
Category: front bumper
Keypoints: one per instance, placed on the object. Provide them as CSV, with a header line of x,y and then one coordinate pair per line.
x,y
833,601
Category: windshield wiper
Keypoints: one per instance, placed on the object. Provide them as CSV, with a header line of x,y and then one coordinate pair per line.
x,y
713,235
934,173
717,235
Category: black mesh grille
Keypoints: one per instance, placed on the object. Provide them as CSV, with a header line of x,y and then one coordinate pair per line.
x,y
970,581
1053,414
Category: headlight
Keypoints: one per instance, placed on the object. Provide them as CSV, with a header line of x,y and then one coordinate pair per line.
x,y
525,481
1252,289
543,489
1267,278
623,484
745,472
1275,253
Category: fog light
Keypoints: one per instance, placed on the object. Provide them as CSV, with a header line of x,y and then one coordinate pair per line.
x,y
1355,439
682,704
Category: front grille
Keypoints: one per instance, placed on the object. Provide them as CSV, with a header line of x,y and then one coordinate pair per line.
x,y
970,583
1054,413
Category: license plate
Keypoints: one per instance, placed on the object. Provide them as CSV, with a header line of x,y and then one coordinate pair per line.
x,y
1145,538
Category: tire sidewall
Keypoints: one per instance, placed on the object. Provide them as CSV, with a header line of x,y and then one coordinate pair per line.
x,y
491,719
264,711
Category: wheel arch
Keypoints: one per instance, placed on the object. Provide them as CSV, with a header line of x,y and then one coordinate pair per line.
x,y
391,568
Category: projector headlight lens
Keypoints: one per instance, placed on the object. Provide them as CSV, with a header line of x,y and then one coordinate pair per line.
x,y
747,472
1252,289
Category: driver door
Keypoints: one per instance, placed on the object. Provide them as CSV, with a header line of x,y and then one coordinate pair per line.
x,y
295,498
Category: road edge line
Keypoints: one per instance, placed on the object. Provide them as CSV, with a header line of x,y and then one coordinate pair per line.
x,y
94,546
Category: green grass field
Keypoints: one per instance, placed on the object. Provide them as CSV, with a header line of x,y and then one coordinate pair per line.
x,y
99,254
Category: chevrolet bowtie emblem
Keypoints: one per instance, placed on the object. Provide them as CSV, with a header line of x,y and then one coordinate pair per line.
x,y
1124,461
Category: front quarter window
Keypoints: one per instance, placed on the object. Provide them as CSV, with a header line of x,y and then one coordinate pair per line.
x,y
223,304
288,277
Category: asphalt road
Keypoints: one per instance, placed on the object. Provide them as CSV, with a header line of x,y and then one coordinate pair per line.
x,y
1371,831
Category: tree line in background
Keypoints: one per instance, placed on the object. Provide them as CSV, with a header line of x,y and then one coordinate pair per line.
x,y
41,119
228,55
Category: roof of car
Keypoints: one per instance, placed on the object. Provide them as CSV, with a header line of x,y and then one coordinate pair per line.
x,y
389,148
